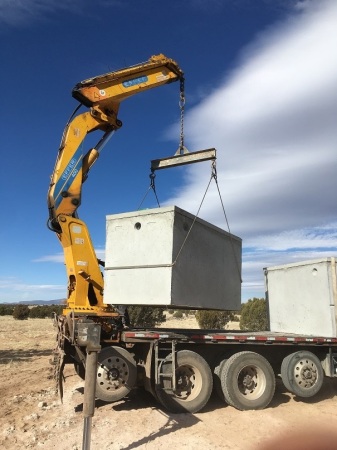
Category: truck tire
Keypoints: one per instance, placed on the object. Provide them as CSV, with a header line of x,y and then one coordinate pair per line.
x,y
116,374
194,383
302,374
247,381
79,369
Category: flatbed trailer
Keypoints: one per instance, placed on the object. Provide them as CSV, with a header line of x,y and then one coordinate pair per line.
x,y
182,367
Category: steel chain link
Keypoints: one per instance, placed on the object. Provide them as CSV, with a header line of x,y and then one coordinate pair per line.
x,y
182,102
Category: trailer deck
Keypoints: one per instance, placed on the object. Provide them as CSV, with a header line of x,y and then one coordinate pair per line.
x,y
216,336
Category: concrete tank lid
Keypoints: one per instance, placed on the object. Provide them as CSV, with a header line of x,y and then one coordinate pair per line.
x,y
301,263
167,209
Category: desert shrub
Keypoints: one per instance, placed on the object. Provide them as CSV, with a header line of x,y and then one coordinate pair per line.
x,y
21,312
188,312
57,309
6,310
38,312
146,316
178,314
208,319
254,315
45,311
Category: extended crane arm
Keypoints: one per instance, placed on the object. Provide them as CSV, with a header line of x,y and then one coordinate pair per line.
x,y
114,87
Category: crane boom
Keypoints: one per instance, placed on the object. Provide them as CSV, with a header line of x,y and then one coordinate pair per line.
x,y
116,86
102,96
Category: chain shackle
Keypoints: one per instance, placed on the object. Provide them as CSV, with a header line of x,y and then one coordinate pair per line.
x,y
152,178
214,171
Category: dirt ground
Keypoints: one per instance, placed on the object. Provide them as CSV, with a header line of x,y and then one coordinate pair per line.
x,y
32,417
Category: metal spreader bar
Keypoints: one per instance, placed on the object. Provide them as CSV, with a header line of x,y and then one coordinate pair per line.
x,y
185,158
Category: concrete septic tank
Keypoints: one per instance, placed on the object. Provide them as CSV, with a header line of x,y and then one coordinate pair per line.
x,y
302,297
162,257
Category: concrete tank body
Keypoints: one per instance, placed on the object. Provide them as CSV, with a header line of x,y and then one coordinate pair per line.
x,y
302,297
149,262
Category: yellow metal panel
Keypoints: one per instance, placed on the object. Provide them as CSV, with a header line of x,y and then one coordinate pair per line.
x,y
85,280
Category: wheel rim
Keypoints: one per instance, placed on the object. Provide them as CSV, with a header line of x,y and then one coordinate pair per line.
x,y
112,373
251,382
305,373
188,382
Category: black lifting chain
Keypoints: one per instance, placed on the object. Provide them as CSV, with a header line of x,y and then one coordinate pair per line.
x,y
182,149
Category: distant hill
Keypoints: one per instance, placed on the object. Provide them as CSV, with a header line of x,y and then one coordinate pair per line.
x,y
59,301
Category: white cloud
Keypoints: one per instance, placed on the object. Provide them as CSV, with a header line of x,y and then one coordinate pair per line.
x,y
306,240
273,122
56,258
59,257
23,12
14,290
18,12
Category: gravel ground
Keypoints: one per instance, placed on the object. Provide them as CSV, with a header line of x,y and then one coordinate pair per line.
x,y
32,417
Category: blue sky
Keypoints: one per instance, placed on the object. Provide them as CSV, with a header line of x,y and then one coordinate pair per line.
x,y
260,87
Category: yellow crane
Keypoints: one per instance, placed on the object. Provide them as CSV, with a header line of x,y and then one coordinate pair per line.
x,y
102,96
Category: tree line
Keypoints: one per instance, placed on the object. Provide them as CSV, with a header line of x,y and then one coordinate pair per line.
x,y
253,315
22,312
